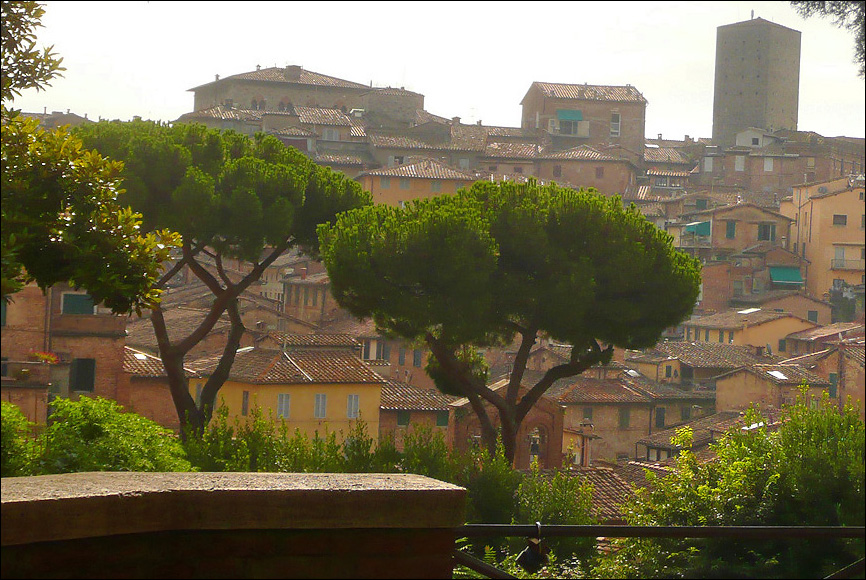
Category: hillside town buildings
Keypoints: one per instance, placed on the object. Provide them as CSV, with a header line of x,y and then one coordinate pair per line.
x,y
775,214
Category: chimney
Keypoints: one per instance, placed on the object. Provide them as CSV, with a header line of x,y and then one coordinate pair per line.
x,y
303,272
293,73
258,67
217,77
455,120
479,122
759,351
660,136
44,110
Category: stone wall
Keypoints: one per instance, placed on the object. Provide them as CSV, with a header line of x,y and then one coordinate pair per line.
x,y
229,525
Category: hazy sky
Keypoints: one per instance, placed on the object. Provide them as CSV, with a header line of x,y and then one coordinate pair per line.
x,y
475,60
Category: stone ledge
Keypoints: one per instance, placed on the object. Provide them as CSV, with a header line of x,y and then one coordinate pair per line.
x,y
84,505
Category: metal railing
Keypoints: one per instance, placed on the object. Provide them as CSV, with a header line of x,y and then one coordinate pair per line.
x,y
842,264
625,531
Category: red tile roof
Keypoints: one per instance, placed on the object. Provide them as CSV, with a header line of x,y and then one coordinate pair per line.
x,y
735,319
267,366
701,354
583,152
306,77
400,396
144,365
835,330
322,116
509,150
423,169
223,113
585,92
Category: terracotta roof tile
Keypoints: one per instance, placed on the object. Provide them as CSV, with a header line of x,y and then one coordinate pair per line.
x,y
322,116
592,390
306,77
626,94
665,155
268,366
144,365
835,330
702,354
351,326
634,472
508,150
424,169
339,159
223,113
733,319
609,491
180,322
703,431
584,152
401,396
291,339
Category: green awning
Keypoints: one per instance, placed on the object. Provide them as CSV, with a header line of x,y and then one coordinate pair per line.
x,y
789,275
699,228
569,115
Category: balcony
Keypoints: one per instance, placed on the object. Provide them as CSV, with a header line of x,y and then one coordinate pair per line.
x,y
839,264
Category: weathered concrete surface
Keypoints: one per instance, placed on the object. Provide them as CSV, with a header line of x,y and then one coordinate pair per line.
x,y
231,525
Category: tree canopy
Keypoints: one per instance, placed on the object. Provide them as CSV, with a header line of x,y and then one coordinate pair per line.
x,y
228,196
61,221
806,471
501,261
847,14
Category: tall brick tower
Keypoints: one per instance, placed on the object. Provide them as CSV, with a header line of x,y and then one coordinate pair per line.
x,y
757,80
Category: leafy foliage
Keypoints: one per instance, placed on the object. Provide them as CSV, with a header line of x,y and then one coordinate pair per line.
x,y
61,221
229,197
18,445
847,14
95,434
808,471
506,260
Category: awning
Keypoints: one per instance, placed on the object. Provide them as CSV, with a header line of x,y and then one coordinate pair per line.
x,y
699,228
788,275
569,115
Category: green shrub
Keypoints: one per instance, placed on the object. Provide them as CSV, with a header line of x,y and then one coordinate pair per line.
x,y
95,434
18,446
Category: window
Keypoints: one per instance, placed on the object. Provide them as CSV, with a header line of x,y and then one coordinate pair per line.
x,y
557,170
782,345
863,221
730,337
660,417
395,160
840,220
401,356
740,163
330,135
441,418
82,374
417,357
567,127
297,292
385,182
688,333
306,295
283,405
768,164
321,408
624,417
435,186
701,204
402,418
767,232
707,335
812,316
198,390
708,164
72,303
614,124
404,183
730,229
721,336
245,403
599,172
518,169
834,379
669,371
385,353
587,413
493,168
685,413
353,403
756,141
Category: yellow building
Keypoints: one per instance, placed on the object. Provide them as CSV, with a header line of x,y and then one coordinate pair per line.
x,y
768,386
828,230
752,326
315,390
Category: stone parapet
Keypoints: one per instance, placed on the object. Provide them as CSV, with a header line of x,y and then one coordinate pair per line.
x,y
229,525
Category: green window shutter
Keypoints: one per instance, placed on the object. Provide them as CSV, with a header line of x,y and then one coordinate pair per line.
x,y
834,379
660,417
731,229
77,304
441,418
569,115
624,417
403,418
82,374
